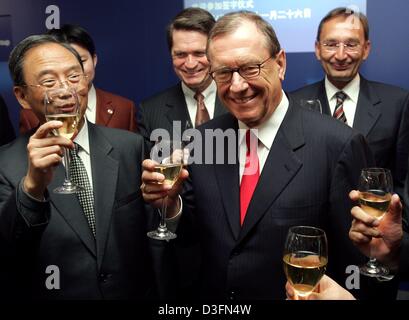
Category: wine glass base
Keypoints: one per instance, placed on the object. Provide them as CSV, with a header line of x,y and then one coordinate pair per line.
x,y
161,235
374,271
69,189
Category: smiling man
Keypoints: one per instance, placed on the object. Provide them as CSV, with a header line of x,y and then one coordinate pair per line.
x,y
379,111
240,217
193,100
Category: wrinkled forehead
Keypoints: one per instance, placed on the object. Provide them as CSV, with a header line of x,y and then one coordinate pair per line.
x,y
343,25
49,58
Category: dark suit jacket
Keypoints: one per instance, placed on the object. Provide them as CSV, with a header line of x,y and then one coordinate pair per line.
x,y
382,116
114,265
112,111
161,110
6,128
312,165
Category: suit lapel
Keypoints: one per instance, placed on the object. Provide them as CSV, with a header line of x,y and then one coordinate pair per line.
x,y
322,96
367,110
227,176
70,209
177,109
104,109
104,176
280,167
219,108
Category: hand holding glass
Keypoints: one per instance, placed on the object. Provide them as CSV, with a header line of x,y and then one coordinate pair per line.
x,y
375,193
170,157
305,258
62,104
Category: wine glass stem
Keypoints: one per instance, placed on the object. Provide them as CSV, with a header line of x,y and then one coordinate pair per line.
x,y
162,224
372,262
66,160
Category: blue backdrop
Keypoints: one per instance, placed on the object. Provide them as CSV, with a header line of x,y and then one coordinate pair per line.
x,y
134,60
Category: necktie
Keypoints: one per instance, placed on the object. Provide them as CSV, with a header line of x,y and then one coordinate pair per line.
x,y
250,175
202,115
79,176
339,107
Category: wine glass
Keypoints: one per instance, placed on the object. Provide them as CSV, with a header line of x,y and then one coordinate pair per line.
x,y
170,156
311,104
305,258
62,104
375,193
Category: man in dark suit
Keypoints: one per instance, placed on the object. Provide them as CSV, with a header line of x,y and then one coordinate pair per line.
x,y
294,168
6,128
187,38
47,234
379,111
104,108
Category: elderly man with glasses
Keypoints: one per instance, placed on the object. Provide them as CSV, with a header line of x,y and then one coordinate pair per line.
x,y
294,168
379,111
87,245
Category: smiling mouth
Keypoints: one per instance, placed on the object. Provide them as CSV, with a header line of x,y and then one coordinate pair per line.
x,y
243,100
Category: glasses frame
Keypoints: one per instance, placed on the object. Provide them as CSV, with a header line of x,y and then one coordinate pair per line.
x,y
61,83
233,70
335,45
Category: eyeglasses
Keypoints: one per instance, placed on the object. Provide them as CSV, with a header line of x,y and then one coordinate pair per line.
x,y
333,46
249,71
51,83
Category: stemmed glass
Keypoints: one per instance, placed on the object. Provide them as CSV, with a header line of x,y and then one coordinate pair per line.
x,y
62,104
312,104
170,156
375,193
305,258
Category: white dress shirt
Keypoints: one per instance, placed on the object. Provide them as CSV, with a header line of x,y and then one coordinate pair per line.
x,y
350,103
91,113
209,100
266,134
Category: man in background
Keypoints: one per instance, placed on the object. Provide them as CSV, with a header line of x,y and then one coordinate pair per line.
x,y
193,100
379,111
104,108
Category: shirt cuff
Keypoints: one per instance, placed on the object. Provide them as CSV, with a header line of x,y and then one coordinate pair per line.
x,y
172,223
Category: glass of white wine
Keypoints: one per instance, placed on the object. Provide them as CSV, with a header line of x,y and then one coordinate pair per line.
x,y
170,156
312,104
62,104
305,258
375,193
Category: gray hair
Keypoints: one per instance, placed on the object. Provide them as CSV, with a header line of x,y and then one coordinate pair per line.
x,y
17,55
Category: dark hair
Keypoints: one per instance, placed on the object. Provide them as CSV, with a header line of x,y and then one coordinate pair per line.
x,y
345,12
231,21
190,19
17,55
70,33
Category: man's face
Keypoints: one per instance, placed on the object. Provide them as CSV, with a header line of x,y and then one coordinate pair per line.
x,y
189,59
46,62
89,62
251,101
342,66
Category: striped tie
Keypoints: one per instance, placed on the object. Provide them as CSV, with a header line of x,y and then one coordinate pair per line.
x,y
339,107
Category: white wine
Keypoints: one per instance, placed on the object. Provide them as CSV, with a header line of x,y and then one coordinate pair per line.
x,y
170,171
69,124
375,202
304,270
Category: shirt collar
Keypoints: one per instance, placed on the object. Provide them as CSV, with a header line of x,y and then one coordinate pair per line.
x,y
92,99
267,131
211,89
351,89
82,138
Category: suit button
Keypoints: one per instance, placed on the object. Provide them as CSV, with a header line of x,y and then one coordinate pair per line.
x,y
103,277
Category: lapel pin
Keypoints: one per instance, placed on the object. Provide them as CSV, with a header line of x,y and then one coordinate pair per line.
x,y
110,111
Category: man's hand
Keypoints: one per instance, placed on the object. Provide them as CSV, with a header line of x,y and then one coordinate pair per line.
x,y
327,289
44,154
375,238
154,190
